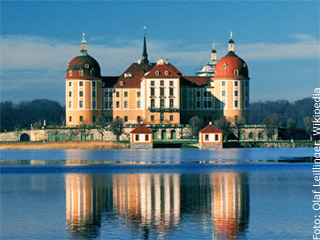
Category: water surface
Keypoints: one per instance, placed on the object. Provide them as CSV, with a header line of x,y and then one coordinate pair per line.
x,y
156,194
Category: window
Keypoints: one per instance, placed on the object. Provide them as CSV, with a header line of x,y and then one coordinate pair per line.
x,y
147,137
81,72
236,84
209,104
70,93
171,92
161,103
198,104
138,119
70,84
205,104
81,84
198,94
106,104
223,83
81,118
236,118
152,91
137,137
93,93
70,73
171,103
126,118
138,94
117,94
251,135
223,104
152,103
260,135
94,104
236,103
236,93
93,84
81,93
206,137
138,104
223,93
117,104
157,72
171,118
81,104
246,104
70,104
110,94
216,137
190,104
236,72
161,83
125,104
125,94
152,83
152,118
161,91
225,65
205,93
171,83
190,93
70,119
93,119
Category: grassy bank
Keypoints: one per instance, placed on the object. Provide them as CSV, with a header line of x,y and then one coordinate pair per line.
x,y
63,145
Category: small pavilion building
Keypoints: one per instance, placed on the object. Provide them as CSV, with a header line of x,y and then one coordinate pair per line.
x,y
210,137
141,138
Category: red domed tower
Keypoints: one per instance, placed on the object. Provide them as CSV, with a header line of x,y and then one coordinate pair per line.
x,y
83,89
231,82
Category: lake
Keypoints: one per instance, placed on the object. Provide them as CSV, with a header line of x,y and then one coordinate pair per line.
x,y
254,193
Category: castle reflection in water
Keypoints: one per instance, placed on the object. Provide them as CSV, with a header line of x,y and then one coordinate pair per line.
x,y
156,204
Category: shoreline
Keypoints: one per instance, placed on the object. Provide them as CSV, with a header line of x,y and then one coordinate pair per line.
x,y
126,145
63,145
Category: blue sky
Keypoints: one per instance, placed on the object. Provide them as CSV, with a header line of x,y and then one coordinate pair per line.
x,y
279,40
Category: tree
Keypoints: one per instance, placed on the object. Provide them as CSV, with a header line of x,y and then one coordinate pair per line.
x,y
102,128
307,122
117,128
84,130
225,126
195,123
271,125
239,127
291,126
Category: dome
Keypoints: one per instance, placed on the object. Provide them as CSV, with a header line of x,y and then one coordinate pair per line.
x,y
86,63
83,66
231,66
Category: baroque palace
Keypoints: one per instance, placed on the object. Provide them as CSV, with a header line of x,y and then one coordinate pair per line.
x,y
156,93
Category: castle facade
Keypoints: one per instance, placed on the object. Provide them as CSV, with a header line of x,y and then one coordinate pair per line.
x,y
156,93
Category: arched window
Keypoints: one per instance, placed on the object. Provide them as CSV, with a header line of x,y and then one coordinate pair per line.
x,y
236,72
251,135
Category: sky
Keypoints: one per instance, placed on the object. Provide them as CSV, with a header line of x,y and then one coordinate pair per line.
x,y
279,41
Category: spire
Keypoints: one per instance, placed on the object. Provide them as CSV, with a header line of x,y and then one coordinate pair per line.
x,y
83,51
144,53
231,44
214,53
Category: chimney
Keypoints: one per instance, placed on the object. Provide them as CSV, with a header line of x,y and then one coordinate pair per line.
x,y
139,61
166,61
160,61
210,123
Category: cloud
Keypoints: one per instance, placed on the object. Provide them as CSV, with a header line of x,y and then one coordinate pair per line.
x,y
306,47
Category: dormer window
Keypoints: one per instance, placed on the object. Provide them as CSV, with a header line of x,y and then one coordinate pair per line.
x,y
225,65
157,73
81,72
236,72
166,72
70,73
86,65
